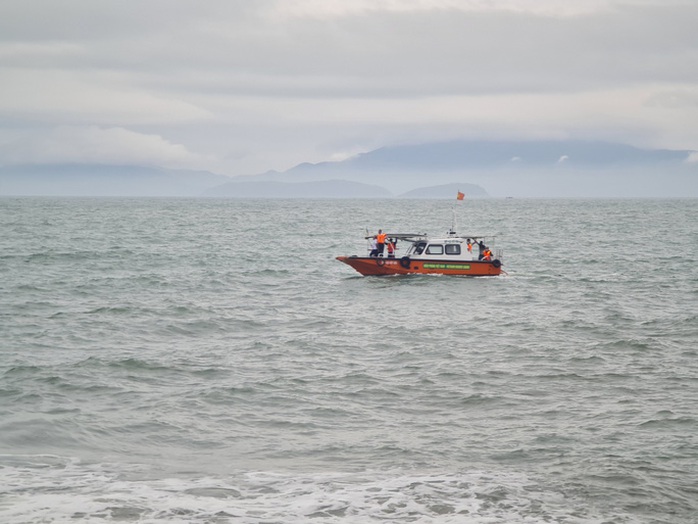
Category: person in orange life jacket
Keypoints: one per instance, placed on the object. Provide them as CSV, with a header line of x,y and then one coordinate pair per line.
x,y
374,247
487,255
470,246
380,239
391,248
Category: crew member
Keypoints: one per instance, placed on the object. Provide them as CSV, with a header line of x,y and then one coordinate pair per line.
x,y
374,247
380,240
391,248
481,246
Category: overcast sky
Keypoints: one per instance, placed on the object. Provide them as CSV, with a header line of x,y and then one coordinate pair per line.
x,y
243,86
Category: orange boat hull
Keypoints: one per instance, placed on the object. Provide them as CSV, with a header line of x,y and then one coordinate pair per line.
x,y
368,266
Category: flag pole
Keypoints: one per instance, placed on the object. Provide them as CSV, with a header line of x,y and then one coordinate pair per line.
x,y
459,196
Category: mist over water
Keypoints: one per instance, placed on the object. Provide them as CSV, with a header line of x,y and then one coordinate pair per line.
x,y
210,361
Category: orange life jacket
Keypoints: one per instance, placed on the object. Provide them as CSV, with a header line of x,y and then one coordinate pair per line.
x,y
380,238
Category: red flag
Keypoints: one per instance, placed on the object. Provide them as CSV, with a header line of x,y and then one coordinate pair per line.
x,y
460,196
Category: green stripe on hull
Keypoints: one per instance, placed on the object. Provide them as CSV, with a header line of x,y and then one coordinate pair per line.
x,y
446,266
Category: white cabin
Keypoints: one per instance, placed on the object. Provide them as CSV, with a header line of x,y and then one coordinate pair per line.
x,y
450,247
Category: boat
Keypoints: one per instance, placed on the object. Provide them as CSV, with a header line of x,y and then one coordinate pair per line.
x,y
445,255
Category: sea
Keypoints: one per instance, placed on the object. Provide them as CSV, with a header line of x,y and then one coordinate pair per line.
x,y
210,361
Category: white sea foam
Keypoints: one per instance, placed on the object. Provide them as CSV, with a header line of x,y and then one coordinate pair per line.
x,y
69,492
75,493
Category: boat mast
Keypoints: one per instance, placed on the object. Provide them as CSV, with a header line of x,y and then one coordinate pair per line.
x,y
459,198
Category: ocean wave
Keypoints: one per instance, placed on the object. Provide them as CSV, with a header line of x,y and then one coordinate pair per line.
x,y
56,492
669,423
164,338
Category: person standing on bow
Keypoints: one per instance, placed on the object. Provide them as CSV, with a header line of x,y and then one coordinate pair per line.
x,y
380,240
373,246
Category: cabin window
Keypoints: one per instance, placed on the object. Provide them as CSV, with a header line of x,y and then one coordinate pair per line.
x,y
453,249
435,249
419,248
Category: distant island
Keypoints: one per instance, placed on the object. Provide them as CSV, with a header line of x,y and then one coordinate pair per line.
x,y
104,180
82,180
432,170
336,189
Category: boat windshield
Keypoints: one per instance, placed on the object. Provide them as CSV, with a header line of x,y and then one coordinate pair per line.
x,y
418,247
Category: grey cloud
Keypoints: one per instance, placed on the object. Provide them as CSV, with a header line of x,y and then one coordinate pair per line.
x,y
284,85
415,53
